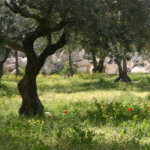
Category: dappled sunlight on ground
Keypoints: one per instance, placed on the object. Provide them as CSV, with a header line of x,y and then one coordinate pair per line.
x,y
91,95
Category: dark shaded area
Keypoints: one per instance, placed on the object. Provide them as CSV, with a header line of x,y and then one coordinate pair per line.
x,y
15,143
77,87
144,84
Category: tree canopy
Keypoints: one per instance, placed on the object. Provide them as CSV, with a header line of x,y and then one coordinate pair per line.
x,y
106,26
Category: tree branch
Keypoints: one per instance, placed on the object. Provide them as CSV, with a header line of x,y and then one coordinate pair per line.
x,y
33,35
22,11
61,25
15,46
43,31
6,55
51,49
31,5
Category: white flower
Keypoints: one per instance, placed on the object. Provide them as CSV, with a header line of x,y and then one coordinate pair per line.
x,y
47,114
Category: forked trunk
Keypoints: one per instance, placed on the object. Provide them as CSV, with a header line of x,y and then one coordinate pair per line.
x,y
123,77
31,104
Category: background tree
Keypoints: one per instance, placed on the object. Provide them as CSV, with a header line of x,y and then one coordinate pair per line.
x,y
94,34
4,53
72,45
114,27
127,27
17,64
12,28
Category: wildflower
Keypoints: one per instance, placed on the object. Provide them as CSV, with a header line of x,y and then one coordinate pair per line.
x,y
49,117
128,109
65,111
47,113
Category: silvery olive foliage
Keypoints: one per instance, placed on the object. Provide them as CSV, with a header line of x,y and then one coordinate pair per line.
x,y
12,28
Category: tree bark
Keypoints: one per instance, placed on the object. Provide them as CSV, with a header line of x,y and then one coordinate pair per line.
x,y
70,63
31,104
94,61
126,77
100,66
17,64
2,63
1,70
123,77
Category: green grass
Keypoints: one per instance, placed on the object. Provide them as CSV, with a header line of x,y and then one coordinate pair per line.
x,y
96,119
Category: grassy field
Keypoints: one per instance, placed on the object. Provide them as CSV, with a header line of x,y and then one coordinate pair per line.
x,y
99,114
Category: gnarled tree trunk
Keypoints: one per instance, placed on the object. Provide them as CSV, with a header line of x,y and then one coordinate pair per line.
x,y
31,104
123,77
126,77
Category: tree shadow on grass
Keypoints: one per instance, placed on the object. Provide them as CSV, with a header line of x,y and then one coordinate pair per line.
x,y
8,91
14,143
105,85
20,139
127,145
77,87
143,84
93,84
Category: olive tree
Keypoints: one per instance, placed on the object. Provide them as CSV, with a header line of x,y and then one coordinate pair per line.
x,y
47,17
127,29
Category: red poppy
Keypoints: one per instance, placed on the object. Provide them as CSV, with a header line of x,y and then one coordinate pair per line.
x,y
65,111
49,117
128,109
